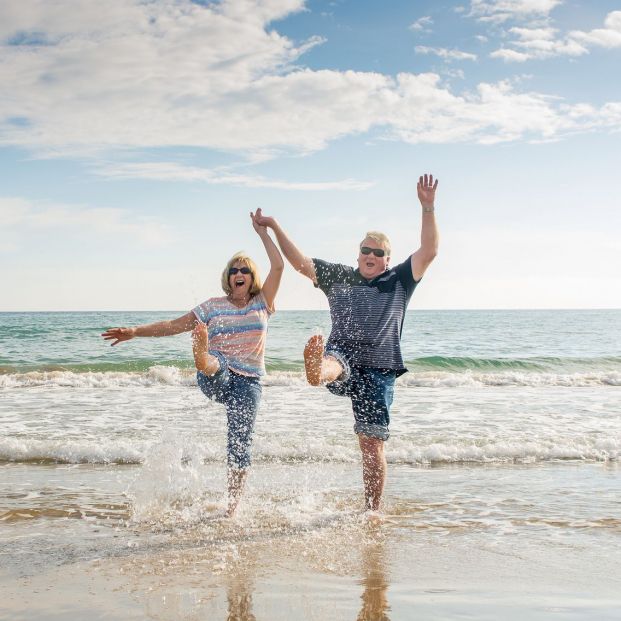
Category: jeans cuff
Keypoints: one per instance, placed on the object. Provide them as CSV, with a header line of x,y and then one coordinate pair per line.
x,y
372,430
221,360
346,374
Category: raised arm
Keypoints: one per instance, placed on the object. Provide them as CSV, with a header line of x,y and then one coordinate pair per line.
x,y
185,323
426,189
277,265
299,262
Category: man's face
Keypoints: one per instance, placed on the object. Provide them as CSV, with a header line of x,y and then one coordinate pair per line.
x,y
369,265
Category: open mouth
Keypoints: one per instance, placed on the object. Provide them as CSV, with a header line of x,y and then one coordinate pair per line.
x,y
240,282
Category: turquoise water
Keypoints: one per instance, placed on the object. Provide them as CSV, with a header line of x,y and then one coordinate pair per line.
x,y
454,341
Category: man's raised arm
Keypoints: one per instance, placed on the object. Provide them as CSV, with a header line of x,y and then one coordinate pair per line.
x,y
426,189
299,261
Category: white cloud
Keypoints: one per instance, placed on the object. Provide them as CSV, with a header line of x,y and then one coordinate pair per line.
x,y
454,73
20,217
510,55
609,36
422,24
494,113
158,74
445,53
178,172
540,43
500,11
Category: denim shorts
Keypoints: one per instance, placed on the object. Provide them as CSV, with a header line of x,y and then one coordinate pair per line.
x,y
371,391
241,395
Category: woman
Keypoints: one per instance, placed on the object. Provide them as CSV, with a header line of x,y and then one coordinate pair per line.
x,y
228,341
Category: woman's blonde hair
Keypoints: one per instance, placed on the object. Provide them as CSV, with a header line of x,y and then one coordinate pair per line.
x,y
380,238
242,257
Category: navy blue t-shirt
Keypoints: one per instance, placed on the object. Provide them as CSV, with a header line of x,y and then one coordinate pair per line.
x,y
367,315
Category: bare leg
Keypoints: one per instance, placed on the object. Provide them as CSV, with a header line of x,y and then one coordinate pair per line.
x,y
373,470
236,481
203,360
320,369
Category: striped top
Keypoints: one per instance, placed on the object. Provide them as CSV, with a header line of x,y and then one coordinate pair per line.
x,y
238,333
367,315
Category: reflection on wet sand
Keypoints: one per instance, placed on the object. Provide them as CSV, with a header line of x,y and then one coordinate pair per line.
x,y
375,605
244,579
239,589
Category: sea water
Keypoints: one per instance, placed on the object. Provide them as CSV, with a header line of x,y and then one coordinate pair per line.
x,y
507,425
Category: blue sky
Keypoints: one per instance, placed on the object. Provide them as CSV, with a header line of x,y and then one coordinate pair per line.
x,y
135,140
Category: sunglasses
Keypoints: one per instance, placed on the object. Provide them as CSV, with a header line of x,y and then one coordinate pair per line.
x,y
243,270
378,252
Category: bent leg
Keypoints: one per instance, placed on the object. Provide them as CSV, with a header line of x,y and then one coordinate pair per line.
x,y
203,360
373,470
320,369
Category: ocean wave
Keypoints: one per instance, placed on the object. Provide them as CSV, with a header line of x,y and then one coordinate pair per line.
x,y
274,365
535,363
300,449
174,376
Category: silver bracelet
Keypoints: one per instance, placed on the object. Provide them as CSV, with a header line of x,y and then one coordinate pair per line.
x,y
428,209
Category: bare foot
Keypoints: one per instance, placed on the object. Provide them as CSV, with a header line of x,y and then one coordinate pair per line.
x,y
313,357
200,339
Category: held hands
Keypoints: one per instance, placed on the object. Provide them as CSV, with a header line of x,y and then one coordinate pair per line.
x,y
265,222
258,226
118,335
426,189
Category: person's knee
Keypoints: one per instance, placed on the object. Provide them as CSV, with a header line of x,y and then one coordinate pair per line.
x,y
371,447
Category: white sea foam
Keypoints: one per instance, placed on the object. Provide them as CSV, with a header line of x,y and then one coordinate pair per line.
x,y
165,375
299,449
71,452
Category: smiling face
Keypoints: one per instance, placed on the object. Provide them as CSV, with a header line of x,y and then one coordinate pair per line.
x,y
369,265
240,283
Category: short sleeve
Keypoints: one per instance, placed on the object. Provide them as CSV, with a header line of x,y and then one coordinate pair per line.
x,y
261,298
201,312
330,273
404,273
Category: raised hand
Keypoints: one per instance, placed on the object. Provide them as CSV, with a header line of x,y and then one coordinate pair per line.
x,y
426,189
259,227
118,335
262,220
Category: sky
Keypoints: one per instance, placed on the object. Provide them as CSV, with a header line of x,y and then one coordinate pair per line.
x,y
136,137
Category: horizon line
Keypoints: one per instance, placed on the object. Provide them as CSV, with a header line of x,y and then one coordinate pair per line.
x,y
325,310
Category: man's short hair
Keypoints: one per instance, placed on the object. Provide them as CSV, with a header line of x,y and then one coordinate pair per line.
x,y
380,238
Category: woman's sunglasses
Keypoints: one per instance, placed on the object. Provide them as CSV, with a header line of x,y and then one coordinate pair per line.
x,y
243,270
378,252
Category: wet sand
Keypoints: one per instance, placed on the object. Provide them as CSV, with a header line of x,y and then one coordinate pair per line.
x,y
351,570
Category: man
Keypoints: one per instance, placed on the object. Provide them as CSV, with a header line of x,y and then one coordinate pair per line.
x,y
362,357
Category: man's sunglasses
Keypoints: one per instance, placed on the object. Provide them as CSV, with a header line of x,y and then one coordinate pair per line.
x,y
243,270
378,252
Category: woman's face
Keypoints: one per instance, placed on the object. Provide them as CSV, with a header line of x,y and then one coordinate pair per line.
x,y
239,282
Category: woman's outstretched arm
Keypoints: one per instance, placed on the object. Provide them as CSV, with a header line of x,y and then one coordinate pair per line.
x,y
277,265
185,323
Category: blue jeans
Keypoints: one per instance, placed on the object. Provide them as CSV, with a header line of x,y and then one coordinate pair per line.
x,y
241,396
371,391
